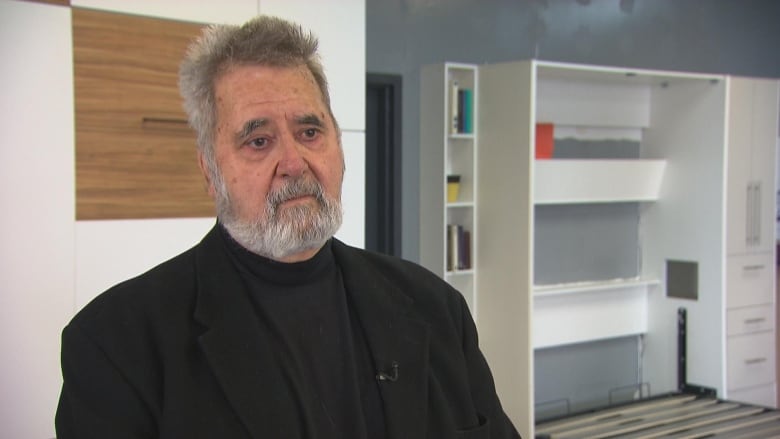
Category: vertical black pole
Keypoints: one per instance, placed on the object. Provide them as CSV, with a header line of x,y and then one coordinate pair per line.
x,y
681,349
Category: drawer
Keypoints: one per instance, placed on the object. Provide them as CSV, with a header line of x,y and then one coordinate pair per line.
x,y
750,360
765,396
750,319
750,280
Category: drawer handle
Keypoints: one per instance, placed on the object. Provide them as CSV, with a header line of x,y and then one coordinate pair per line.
x,y
163,122
753,267
752,361
754,321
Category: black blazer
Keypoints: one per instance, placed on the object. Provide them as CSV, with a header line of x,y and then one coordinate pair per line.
x,y
178,353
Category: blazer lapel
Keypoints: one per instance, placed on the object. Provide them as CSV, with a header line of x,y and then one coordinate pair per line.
x,y
235,348
393,337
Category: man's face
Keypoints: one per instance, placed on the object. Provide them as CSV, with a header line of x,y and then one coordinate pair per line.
x,y
279,160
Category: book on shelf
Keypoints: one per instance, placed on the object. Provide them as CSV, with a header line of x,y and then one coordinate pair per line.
x,y
545,140
454,107
461,112
458,248
467,115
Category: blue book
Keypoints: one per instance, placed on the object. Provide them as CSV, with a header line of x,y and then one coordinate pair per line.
x,y
468,111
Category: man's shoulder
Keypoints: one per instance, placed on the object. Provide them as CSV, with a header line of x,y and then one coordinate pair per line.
x,y
411,279
169,284
393,267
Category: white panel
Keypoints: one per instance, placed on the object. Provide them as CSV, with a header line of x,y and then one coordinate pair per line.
x,y
597,104
108,252
577,181
560,319
353,193
687,223
36,227
504,298
340,27
201,11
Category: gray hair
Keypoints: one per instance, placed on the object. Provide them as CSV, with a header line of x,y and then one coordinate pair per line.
x,y
264,40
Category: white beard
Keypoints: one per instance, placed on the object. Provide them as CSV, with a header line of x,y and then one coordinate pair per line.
x,y
278,233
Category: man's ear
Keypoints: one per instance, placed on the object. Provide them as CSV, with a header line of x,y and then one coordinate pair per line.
x,y
204,170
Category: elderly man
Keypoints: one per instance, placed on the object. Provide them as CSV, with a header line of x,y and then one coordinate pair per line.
x,y
270,327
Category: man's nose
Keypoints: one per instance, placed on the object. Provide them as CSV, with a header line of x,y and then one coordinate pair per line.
x,y
292,162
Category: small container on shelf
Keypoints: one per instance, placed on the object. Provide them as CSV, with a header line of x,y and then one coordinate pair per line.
x,y
453,188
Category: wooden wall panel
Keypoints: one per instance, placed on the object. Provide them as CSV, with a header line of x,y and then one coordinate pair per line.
x,y
135,154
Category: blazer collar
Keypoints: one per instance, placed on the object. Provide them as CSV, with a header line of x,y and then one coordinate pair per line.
x,y
242,357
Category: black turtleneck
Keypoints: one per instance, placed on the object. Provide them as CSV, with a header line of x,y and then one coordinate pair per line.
x,y
318,342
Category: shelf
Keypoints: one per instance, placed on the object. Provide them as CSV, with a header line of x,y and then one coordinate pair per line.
x,y
461,204
461,136
561,181
588,311
467,272
446,153
591,286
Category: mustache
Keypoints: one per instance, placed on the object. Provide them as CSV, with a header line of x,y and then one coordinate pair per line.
x,y
299,187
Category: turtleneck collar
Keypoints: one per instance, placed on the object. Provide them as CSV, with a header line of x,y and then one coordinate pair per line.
x,y
282,273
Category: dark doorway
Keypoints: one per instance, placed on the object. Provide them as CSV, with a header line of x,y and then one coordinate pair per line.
x,y
383,163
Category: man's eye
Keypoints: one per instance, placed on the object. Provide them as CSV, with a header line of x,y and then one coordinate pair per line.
x,y
310,133
258,143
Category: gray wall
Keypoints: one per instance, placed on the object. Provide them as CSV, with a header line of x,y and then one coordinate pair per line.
x,y
716,36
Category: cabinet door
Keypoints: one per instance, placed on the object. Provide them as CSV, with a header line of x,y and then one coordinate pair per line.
x,y
340,27
763,161
740,187
202,11
751,165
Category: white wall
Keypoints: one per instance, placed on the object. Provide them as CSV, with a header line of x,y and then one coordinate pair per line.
x,y
36,224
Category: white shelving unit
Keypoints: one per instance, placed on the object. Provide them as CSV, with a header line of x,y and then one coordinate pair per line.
x,y
444,152
677,184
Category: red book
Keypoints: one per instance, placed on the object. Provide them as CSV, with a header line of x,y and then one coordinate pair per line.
x,y
544,140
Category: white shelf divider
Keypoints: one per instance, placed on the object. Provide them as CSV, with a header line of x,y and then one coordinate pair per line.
x,y
587,311
560,181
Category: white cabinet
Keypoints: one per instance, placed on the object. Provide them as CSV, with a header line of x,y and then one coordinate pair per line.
x,y
752,122
750,244
201,11
448,226
36,228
